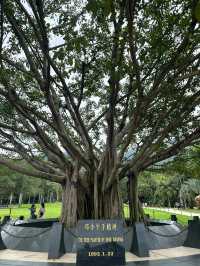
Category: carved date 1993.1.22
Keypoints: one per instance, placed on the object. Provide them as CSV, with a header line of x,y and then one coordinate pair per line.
x,y
100,254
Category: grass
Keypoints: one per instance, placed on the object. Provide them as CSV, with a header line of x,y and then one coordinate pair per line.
x,y
193,210
126,211
162,215
53,210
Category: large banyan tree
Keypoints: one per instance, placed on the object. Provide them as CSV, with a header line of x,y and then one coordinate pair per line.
x,y
93,91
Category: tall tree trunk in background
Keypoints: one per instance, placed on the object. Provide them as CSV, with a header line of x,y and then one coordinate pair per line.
x,y
169,204
57,196
33,198
50,197
133,197
20,198
11,198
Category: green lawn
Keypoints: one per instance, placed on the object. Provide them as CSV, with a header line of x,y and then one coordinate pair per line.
x,y
162,215
53,211
193,210
126,211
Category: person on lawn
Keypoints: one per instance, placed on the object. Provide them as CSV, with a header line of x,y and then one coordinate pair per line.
x,y
33,210
41,211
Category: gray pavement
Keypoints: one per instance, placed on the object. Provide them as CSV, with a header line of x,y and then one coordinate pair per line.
x,y
182,261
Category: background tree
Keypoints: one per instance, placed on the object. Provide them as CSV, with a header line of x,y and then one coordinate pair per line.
x,y
189,190
174,180
83,83
7,185
147,186
186,163
167,191
160,189
16,188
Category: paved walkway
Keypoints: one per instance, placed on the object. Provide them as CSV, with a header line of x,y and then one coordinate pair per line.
x,y
27,256
183,261
176,211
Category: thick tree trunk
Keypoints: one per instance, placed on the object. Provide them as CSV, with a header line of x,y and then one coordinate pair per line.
x,y
133,197
111,203
69,204
96,197
85,204
94,203
69,198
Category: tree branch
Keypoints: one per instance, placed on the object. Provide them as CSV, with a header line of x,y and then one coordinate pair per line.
x,y
32,172
175,149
